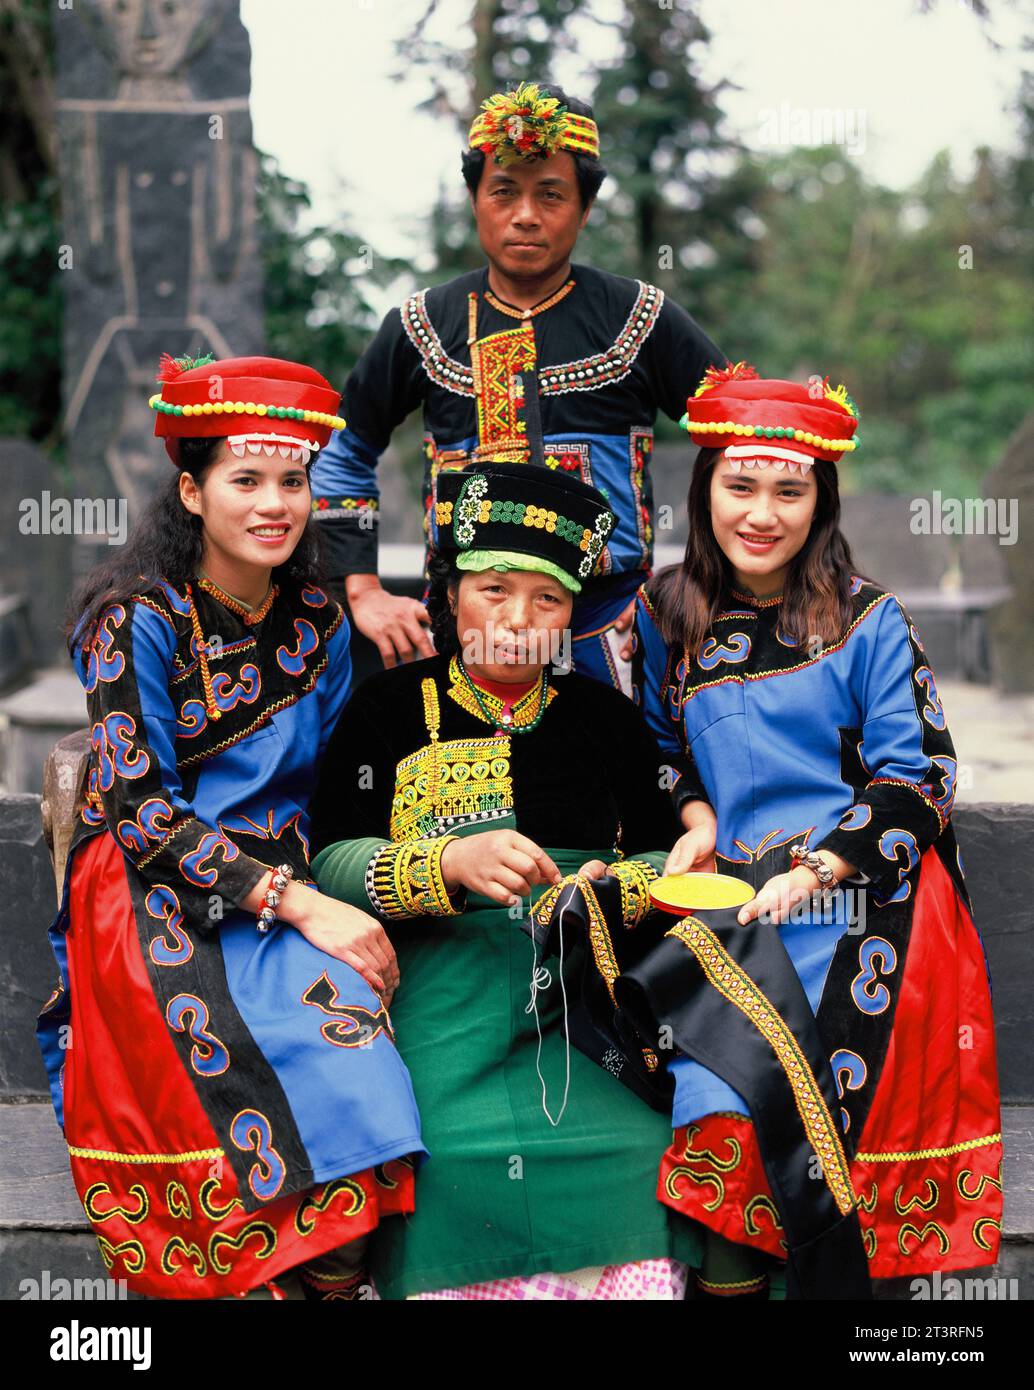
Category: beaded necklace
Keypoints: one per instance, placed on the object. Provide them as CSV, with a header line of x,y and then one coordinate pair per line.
x,y
511,311
251,616
754,601
504,722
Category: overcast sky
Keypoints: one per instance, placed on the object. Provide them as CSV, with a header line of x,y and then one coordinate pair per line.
x,y
904,85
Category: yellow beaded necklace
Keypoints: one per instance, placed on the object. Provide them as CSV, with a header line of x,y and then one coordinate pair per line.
x,y
251,616
511,311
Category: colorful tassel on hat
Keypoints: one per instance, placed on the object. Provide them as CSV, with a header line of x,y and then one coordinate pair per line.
x,y
169,368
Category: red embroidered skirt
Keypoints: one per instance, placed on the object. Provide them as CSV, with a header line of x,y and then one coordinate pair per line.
x,y
157,1189
928,1171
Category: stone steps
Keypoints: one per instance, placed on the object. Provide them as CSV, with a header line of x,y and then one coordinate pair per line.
x,y
43,1227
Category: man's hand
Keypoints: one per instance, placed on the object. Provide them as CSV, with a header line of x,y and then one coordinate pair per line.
x,y
500,864
624,624
397,626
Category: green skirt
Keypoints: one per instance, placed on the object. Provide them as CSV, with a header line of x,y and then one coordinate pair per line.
x,y
505,1192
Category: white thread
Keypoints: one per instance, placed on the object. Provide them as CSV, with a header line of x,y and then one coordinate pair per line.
x,y
541,979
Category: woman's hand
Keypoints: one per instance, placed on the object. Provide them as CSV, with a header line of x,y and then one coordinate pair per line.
x,y
592,868
780,895
499,864
693,852
345,933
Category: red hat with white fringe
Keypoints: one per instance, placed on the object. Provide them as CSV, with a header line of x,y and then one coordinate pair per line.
x,y
761,423
257,404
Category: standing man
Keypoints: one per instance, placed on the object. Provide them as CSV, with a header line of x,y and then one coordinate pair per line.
x,y
529,359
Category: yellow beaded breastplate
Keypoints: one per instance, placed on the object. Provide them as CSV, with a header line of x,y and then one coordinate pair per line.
x,y
451,787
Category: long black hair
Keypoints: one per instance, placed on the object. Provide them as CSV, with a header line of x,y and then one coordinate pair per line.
x,y
816,595
167,542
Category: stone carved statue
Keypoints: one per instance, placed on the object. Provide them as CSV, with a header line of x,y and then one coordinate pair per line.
x,y
158,179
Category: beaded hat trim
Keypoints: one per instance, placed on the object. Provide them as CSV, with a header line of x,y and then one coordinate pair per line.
x,y
476,519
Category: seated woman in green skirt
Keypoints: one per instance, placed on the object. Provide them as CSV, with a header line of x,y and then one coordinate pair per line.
x,y
453,792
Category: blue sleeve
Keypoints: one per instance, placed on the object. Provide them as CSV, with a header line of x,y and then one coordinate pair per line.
x,y
908,753
134,780
335,683
654,691
385,385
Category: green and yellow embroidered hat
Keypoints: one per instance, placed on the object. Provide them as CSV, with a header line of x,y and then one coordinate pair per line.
x,y
492,515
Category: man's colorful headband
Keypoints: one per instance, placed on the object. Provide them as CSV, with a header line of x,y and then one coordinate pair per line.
x,y
263,402
760,420
527,124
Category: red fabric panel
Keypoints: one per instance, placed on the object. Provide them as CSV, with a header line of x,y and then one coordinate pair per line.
x,y
937,1097
173,1228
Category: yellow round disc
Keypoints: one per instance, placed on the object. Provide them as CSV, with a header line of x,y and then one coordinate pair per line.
x,y
698,892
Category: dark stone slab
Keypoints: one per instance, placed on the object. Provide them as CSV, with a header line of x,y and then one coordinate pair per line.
x,y
36,1186
1010,1280
44,1234
16,640
1013,628
34,1264
28,971
49,707
995,843
34,563
157,175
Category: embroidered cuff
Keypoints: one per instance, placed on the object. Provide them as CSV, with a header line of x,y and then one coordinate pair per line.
x,y
635,877
405,880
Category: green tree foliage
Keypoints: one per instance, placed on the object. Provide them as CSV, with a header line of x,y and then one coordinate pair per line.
x,y
918,299
317,279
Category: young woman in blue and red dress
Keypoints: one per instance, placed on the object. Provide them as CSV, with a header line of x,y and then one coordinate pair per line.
x,y
219,1048
796,703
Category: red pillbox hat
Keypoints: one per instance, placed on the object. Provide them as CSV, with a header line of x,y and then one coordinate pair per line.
x,y
735,407
238,398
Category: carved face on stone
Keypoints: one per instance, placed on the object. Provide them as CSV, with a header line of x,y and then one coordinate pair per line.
x,y
151,38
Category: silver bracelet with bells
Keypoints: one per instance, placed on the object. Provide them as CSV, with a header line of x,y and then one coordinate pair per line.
x,y
801,854
271,898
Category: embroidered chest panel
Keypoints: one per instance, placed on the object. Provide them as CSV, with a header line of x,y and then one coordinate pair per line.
x,y
740,651
499,364
253,676
583,374
449,785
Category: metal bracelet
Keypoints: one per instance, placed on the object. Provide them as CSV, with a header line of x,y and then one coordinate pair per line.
x,y
801,854
280,877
